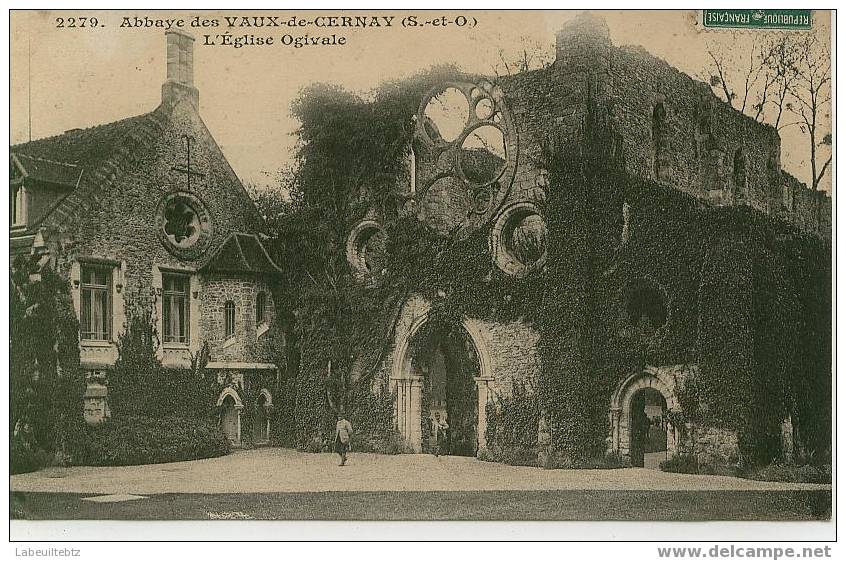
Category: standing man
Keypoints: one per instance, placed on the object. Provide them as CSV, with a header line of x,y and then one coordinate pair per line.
x,y
439,430
343,434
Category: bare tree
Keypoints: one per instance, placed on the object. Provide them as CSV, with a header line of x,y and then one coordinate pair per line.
x,y
784,74
725,57
779,58
531,55
811,95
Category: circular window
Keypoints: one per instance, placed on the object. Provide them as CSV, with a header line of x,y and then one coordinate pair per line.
x,y
465,130
366,248
184,225
519,240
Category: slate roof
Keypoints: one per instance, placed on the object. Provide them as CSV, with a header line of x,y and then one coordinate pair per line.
x,y
242,253
83,160
73,160
84,148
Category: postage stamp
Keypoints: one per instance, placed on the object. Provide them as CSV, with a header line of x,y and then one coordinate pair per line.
x,y
757,19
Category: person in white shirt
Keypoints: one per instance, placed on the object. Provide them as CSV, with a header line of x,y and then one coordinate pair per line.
x,y
343,434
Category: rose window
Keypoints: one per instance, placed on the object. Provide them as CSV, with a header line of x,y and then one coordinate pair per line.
x,y
465,133
181,224
184,225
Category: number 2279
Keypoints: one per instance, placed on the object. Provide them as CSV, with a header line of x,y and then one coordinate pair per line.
x,y
77,22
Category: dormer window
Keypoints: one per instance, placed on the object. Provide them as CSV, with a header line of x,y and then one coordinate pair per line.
x,y
17,205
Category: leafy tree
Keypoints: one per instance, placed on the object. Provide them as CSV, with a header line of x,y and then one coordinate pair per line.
x,y
45,380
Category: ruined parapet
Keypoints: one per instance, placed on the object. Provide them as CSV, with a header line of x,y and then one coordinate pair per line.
x,y
582,42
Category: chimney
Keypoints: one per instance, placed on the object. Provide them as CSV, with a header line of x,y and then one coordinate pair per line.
x,y
180,69
583,42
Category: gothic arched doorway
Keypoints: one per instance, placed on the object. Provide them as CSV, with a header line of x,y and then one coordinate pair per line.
x,y
447,361
640,431
648,433
230,415
261,420
440,369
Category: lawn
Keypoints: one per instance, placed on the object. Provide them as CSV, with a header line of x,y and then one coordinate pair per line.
x,y
436,505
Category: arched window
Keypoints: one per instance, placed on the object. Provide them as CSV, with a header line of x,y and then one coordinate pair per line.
x,y
17,205
645,304
229,319
261,303
659,142
739,170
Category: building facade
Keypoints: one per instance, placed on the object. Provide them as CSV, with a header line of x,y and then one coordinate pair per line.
x,y
145,217
482,172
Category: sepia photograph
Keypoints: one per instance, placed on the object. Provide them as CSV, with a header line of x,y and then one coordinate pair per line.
x,y
421,265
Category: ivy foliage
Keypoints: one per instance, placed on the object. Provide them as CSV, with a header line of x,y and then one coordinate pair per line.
x,y
46,384
139,385
744,296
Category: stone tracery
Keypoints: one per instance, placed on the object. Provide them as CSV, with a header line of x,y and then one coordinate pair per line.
x,y
466,132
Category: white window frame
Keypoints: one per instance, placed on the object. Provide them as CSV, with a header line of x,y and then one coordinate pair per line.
x,y
106,289
18,203
186,318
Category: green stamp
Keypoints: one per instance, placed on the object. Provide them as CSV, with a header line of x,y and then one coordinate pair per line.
x,y
757,19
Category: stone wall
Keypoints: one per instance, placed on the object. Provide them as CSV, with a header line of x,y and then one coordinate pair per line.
x,y
118,221
112,216
250,342
707,148
714,446
810,210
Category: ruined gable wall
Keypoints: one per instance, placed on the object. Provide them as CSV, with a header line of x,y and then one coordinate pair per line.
x,y
703,133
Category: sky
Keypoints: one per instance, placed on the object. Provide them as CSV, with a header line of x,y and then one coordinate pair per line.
x,y
67,78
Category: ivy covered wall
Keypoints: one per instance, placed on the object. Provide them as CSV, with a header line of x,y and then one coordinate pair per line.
x,y
637,274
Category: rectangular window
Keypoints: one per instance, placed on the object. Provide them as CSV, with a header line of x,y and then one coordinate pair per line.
x,y
260,305
95,315
229,320
175,308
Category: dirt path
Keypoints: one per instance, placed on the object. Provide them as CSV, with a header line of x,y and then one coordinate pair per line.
x,y
281,470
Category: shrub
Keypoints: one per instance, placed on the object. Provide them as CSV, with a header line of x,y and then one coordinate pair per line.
x,y
680,464
383,443
24,459
791,474
562,461
133,440
511,455
373,423
316,445
719,468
